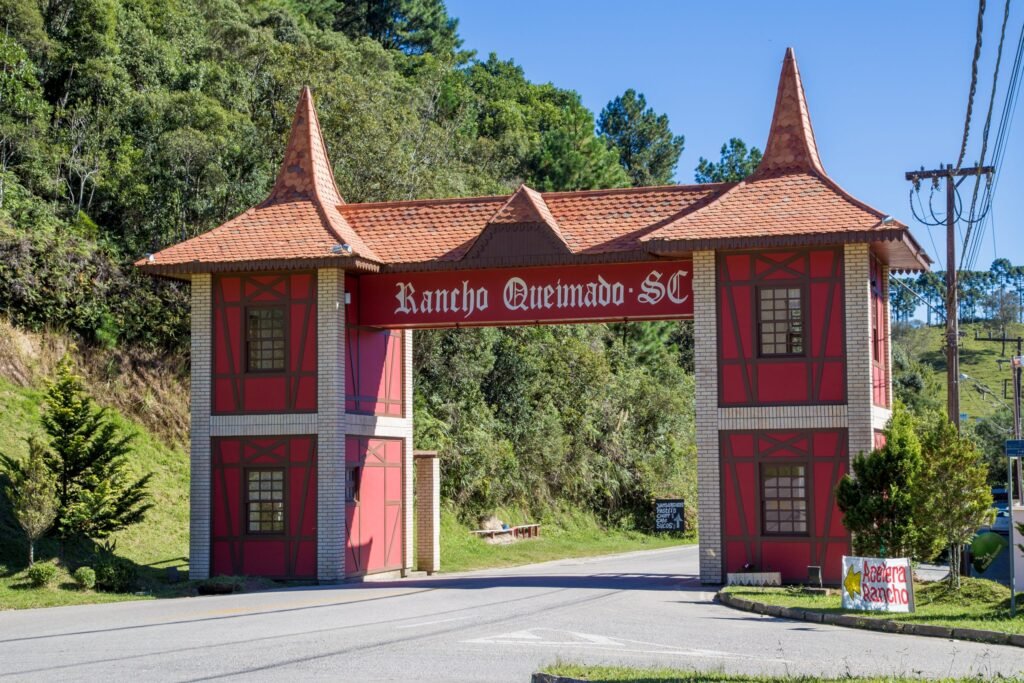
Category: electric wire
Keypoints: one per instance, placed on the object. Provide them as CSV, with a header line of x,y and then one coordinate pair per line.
x,y
1005,128
974,83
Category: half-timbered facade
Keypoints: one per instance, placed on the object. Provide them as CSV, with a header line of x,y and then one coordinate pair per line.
x,y
303,311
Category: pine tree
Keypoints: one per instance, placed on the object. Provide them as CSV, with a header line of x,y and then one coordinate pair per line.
x,y
952,493
645,144
32,491
88,458
878,501
735,164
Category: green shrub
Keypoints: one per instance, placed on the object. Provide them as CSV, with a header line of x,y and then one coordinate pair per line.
x,y
85,577
115,574
222,585
42,574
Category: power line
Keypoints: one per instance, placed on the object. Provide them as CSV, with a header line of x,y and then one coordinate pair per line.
x,y
974,83
971,217
1006,123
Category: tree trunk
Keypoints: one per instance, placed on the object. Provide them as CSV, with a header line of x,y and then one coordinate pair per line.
x,y
31,552
954,566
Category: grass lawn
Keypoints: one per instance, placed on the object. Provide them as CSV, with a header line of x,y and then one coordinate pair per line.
x,y
562,535
980,604
615,674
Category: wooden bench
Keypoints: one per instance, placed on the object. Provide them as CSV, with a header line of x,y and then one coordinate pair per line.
x,y
517,532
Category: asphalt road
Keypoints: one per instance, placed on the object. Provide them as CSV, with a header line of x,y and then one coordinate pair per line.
x,y
643,609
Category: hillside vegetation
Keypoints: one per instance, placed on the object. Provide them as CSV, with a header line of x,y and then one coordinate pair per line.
x,y
155,412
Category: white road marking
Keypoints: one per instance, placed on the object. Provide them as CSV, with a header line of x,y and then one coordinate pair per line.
x,y
592,641
431,623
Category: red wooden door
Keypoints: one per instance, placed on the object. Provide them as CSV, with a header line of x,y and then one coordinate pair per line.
x,y
373,505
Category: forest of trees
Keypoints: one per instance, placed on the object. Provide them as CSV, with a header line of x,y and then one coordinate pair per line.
x,y
128,125
995,295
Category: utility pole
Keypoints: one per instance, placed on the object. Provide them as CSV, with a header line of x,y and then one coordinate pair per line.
x,y
1016,368
952,322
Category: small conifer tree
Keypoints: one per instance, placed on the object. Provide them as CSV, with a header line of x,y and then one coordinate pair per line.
x,y
878,501
32,491
952,494
95,493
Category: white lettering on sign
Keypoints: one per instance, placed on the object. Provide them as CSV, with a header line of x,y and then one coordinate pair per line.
x,y
520,295
466,300
654,290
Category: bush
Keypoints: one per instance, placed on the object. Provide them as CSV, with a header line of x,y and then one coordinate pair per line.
x,y
115,574
222,585
42,574
85,577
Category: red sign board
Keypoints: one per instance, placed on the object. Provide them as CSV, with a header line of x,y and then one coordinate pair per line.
x,y
543,294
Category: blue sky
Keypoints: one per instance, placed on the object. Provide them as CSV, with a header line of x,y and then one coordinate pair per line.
x,y
886,82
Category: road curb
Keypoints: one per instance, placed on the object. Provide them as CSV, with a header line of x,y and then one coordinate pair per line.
x,y
866,623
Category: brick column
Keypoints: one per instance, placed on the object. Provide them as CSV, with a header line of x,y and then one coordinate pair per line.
x,y
199,493
428,512
705,354
407,455
330,480
887,334
858,348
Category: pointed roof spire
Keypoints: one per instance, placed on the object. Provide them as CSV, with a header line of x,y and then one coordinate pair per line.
x,y
791,145
305,171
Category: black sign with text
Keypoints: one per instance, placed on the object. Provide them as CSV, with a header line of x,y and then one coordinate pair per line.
x,y
668,514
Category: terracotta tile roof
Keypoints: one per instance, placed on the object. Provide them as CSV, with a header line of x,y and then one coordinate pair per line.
x,y
785,204
590,222
789,200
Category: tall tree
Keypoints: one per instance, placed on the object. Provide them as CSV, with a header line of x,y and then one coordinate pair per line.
x,y
412,26
22,116
32,491
645,144
878,500
95,493
902,300
735,164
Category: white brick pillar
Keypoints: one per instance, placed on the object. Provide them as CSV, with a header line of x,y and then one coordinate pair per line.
x,y
407,455
859,378
428,512
705,359
887,332
199,450
330,480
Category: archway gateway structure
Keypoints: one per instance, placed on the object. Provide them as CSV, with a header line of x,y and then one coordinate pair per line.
x,y
303,309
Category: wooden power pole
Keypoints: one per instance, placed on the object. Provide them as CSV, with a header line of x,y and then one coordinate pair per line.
x,y
952,322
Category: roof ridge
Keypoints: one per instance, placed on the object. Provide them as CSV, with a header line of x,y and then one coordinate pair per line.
x,y
681,187
791,143
687,187
706,206
856,202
